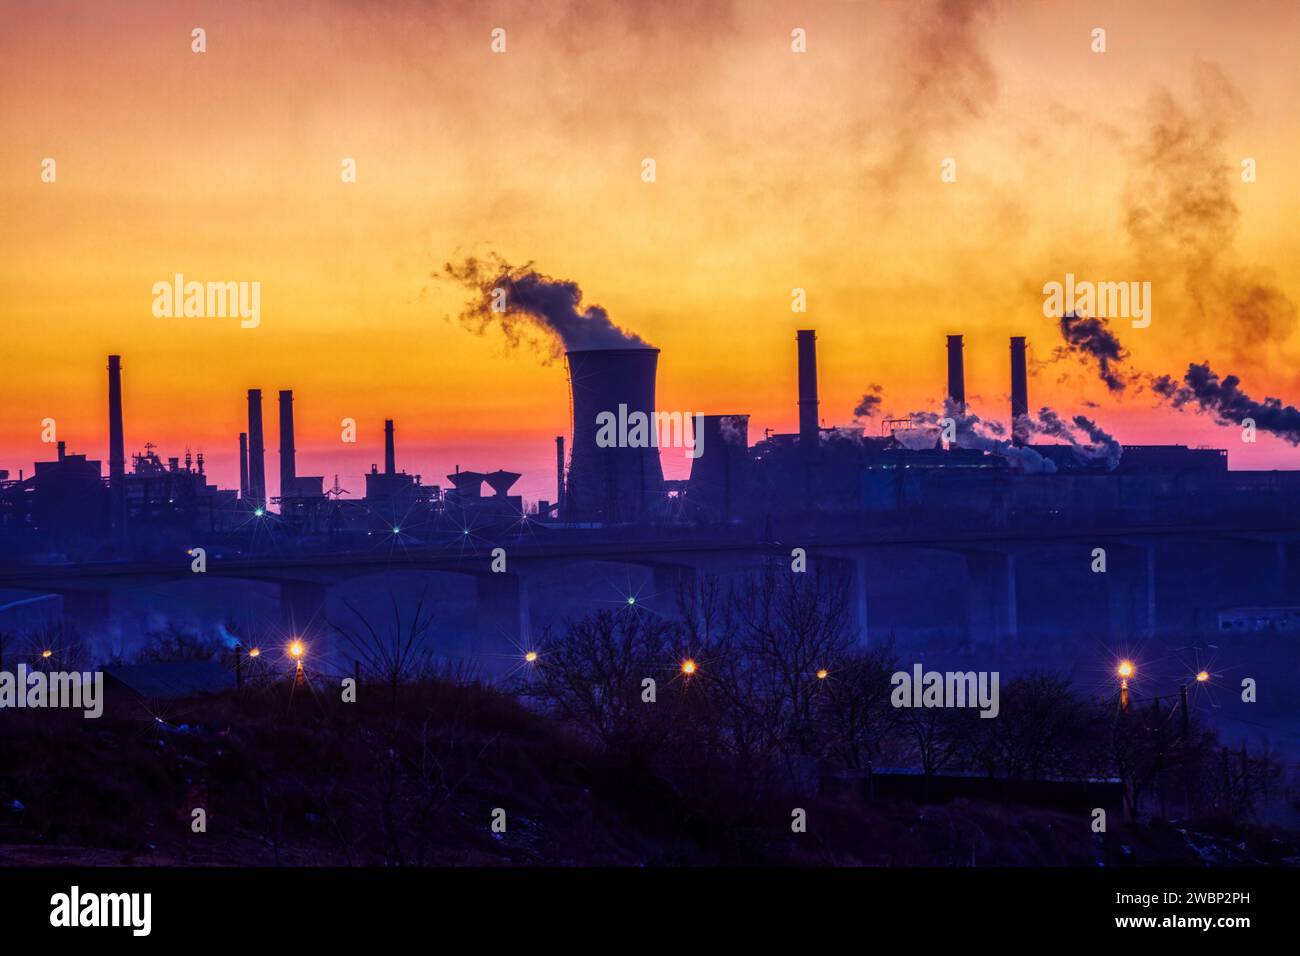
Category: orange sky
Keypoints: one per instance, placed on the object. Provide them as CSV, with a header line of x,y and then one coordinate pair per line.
x,y
775,170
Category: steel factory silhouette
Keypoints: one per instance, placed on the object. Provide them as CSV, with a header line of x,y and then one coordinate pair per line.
x,y
960,544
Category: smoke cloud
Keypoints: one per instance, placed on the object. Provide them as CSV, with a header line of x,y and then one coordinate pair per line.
x,y
1202,389
971,432
869,404
1180,212
943,79
1092,339
1097,444
522,301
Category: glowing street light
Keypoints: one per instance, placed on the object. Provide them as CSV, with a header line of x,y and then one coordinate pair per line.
x,y
47,653
688,667
254,652
1125,671
530,657
258,512
1202,677
823,673
296,651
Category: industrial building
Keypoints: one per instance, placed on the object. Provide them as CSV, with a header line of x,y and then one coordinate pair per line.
x,y
66,505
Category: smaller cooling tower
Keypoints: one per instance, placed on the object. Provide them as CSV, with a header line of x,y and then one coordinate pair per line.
x,y
720,476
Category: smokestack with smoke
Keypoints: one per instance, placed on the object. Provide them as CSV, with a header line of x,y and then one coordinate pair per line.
x,y
956,373
1223,398
1019,390
521,300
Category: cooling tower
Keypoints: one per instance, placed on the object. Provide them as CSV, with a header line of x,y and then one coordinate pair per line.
x,y
956,373
1019,390
720,475
619,483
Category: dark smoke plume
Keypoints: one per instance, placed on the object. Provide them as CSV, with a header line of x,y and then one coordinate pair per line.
x,y
1091,338
1099,445
1181,213
943,78
869,404
521,300
1202,389
1103,444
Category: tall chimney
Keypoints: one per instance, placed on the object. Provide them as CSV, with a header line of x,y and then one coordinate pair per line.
x,y
256,452
808,421
116,447
559,475
956,374
1019,390
243,466
116,441
390,450
287,465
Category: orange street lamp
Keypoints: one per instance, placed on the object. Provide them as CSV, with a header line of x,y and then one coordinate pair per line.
x,y
823,673
254,652
296,651
1125,671
530,657
688,667
1202,677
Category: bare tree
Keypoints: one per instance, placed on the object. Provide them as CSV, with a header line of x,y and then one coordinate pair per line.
x,y
396,655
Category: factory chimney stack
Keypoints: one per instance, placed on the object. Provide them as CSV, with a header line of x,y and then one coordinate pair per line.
x,y
390,450
956,373
288,466
116,444
256,451
243,466
1019,390
808,420
559,476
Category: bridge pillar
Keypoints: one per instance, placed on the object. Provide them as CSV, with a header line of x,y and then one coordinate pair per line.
x,y
854,567
667,584
502,624
88,612
991,597
1130,589
302,606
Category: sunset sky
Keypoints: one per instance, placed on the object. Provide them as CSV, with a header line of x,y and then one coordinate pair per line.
x,y
775,170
